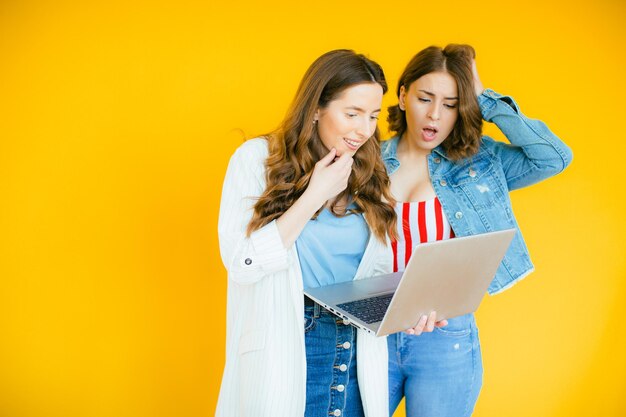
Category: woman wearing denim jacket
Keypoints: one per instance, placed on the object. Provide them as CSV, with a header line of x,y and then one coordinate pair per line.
x,y
449,180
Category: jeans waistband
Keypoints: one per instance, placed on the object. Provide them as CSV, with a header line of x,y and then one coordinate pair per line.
x,y
308,302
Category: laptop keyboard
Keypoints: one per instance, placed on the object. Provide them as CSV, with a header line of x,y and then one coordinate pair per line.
x,y
369,310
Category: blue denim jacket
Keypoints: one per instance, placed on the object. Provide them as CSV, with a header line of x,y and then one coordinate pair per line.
x,y
474,192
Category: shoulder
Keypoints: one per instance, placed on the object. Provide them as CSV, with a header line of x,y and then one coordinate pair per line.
x,y
489,146
487,142
253,148
494,149
485,151
251,153
482,161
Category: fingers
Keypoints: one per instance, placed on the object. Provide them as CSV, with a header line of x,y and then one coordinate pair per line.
x,y
475,71
331,174
344,160
442,323
430,323
343,166
478,85
426,323
328,158
345,157
419,327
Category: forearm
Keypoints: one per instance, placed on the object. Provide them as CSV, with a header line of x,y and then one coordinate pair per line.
x,y
293,221
247,258
535,152
536,139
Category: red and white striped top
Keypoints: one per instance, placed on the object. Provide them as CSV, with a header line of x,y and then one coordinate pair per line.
x,y
418,222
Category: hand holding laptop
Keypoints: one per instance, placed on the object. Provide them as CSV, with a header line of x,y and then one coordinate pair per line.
x,y
426,324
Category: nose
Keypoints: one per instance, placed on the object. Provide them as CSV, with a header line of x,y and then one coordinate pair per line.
x,y
433,112
365,129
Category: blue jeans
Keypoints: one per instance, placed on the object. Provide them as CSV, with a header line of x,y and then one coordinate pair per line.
x,y
439,373
331,381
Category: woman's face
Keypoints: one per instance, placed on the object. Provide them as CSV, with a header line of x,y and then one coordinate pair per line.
x,y
347,122
431,107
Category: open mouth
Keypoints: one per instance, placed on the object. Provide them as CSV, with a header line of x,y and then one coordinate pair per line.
x,y
430,132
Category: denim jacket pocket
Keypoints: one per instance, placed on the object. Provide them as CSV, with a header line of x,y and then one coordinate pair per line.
x,y
474,178
469,170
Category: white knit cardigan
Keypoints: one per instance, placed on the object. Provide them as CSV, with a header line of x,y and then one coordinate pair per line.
x,y
265,370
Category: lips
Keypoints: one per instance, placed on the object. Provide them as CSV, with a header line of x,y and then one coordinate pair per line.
x,y
352,144
429,133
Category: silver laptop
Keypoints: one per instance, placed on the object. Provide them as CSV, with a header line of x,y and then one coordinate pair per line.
x,y
448,276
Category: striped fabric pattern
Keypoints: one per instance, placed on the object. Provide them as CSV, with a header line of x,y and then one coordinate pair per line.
x,y
418,222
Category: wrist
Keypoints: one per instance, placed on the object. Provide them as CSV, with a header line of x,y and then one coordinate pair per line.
x,y
311,200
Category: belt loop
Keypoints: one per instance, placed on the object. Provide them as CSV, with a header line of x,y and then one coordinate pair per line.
x,y
316,311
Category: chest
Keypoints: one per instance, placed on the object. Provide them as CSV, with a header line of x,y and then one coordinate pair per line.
x,y
411,182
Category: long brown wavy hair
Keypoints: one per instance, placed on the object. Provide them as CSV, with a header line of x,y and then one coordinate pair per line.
x,y
456,60
295,147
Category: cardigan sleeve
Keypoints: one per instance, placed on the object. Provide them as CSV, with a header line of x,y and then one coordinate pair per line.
x,y
248,259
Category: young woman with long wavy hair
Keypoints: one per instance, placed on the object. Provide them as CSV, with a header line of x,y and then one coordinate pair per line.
x,y
307,205
450,180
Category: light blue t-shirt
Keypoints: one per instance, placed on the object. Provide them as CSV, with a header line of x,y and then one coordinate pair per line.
x,y
330,248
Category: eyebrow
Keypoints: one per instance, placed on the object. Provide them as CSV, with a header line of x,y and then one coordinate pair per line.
x,y
432,95
360,109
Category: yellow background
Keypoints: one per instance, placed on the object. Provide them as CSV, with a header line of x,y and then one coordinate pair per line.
x,y
117,120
